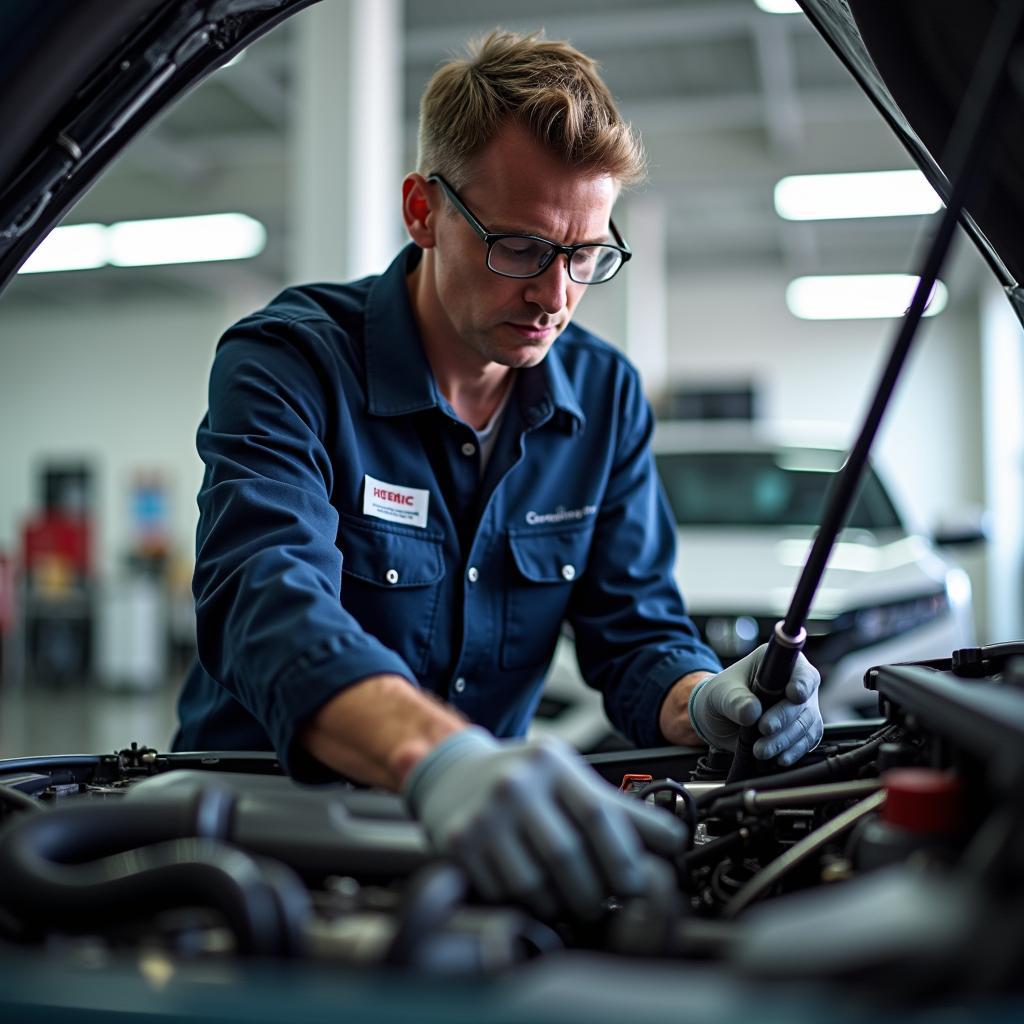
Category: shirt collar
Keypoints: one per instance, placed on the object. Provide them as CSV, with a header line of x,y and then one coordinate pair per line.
x,y
399,379
544,389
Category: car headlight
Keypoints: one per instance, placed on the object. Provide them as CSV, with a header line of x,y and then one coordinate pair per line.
x,y
883,622
828,640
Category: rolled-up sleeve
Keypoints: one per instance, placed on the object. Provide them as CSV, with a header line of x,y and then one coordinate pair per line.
x,y
633,637
271,626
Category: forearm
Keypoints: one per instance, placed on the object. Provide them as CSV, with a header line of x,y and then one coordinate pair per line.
x,y
674,718
376,730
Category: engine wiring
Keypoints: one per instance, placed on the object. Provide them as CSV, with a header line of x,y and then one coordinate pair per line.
x,y
689,802
796,854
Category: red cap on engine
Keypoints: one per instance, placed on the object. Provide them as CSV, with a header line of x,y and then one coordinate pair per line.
x,y
922,800
632,781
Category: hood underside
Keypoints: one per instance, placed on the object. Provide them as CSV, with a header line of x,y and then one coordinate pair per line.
x,y
79,79
915,58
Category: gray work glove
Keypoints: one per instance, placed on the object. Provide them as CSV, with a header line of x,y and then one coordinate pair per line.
x,y
531,821
720,705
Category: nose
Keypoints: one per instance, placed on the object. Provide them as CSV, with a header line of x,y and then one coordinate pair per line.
x,y
550,289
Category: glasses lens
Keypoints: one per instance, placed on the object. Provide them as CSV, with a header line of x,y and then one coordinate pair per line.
x,y
594,263
519,256
523,256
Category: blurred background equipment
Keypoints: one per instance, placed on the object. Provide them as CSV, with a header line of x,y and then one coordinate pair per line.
x,y
59,582
7,615
135,643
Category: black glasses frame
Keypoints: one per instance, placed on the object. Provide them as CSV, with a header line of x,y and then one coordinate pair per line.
x,y
489,238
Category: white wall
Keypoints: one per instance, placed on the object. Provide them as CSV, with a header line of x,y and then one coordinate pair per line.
x,y
1003,370
122,385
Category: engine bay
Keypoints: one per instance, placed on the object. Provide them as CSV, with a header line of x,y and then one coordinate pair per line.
x,y
886,867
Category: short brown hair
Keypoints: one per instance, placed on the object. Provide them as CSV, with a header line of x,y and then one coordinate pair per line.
x,y
547,86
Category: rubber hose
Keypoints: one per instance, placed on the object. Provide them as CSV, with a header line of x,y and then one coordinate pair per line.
x,y
799,852
689,802
83,867
433,895
831,769
14,800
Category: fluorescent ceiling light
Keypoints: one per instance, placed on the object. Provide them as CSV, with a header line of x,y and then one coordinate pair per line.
x,y
217,236
779,6
858,296
75,247
870,194
146,243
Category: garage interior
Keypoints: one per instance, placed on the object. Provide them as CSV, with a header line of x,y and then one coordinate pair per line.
x,y
105,369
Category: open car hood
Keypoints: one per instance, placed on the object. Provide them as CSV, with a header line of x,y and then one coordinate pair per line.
x,y
79,79
914,59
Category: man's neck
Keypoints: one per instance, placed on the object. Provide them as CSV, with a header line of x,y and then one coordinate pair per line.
x,y
477,405
474,388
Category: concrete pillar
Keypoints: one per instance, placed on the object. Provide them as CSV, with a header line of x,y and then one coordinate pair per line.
x,y
345,201
646,309
1002,352
631,311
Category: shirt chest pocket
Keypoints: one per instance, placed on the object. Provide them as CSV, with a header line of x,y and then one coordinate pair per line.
x,y
543,568
391,584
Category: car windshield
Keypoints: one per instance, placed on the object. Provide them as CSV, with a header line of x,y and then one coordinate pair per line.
x,y
765,488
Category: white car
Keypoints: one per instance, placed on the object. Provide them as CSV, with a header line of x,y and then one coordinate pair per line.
x,y
747,505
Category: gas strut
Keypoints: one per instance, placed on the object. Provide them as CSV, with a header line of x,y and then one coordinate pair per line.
x,y
963,158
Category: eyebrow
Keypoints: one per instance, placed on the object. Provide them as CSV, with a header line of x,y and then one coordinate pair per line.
x,y
496,230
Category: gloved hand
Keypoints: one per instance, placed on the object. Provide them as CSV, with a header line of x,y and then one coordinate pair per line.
x,y
723,703
531,821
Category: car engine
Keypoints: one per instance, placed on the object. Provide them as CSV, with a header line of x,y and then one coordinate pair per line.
x,y
892,855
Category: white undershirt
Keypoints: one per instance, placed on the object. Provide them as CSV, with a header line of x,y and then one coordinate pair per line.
x,y
487,435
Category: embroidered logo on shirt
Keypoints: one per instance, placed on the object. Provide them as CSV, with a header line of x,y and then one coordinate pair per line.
x,y
560,515
395,503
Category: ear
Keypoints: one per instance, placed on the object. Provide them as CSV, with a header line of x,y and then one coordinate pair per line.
x,y
417,210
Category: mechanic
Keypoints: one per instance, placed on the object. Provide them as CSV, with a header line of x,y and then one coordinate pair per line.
x,y
409,487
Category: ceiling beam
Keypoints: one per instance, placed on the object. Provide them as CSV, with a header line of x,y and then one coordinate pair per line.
x,y
742,110
622,28
780,100
157,153
254,84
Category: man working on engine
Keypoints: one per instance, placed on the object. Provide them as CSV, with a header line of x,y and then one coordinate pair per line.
x,y
409,486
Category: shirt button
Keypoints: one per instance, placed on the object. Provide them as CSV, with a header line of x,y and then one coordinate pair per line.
x,y
473,574
460,684
469,448
391,575
568,572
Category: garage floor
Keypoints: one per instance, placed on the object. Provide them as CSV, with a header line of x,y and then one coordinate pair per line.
x,y
41,718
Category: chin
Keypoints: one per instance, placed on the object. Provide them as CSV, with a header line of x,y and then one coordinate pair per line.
x,y
521,353
522,358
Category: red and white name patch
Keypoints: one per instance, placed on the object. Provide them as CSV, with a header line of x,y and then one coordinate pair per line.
x,y
395,503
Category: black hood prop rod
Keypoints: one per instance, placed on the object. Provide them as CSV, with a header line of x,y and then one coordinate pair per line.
x,y
967,144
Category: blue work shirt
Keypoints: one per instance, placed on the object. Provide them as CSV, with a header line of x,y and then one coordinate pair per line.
x,y
345,529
